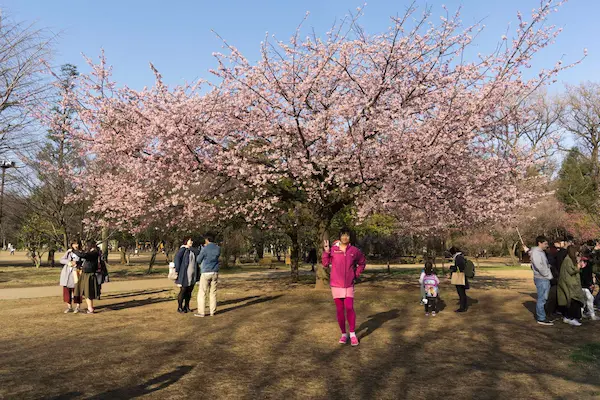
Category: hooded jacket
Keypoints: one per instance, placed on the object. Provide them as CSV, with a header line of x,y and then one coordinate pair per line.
x,y
345,266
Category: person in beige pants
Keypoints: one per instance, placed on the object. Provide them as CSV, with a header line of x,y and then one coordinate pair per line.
x,y
209,278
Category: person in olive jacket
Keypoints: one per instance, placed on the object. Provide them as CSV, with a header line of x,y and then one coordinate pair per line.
x,y
570,294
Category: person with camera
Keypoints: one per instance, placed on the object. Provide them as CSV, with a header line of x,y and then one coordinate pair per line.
x,y
88,283
69,276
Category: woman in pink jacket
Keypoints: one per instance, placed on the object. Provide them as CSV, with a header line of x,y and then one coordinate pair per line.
x,y
347,263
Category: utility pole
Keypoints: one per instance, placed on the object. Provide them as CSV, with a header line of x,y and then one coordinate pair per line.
x,y
4,164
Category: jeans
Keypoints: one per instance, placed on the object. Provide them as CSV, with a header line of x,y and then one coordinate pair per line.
x,y
543,289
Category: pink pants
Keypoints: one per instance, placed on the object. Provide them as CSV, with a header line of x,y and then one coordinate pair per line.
x,y
346,304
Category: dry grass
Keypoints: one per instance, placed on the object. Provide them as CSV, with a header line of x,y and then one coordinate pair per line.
x,y
272,339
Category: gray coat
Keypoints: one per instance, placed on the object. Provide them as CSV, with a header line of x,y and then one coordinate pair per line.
x,y
186,267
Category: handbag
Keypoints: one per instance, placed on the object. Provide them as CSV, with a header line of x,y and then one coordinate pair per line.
x,y
172,272
458,278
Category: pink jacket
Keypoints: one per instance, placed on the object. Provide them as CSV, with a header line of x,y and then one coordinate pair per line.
x,y
344,266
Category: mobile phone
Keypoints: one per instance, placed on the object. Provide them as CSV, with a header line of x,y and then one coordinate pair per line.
x,y
326,242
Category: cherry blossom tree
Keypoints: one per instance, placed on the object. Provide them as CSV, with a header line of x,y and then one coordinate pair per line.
x,y
397,122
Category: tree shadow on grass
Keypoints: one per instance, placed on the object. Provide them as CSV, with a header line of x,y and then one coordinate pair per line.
x,y
250,303
153,385
375,322
133,294
532,295
67,396
132,303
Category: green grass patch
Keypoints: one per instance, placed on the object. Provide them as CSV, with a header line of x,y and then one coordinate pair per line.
x,y
588,353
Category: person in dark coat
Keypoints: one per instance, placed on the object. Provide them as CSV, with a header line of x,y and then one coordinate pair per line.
x,y
87,286
459,265
555,255
187,274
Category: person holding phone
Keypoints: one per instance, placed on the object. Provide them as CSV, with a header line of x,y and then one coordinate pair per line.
x,y
347,263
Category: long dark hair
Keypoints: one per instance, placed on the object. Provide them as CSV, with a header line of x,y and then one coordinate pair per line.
x,y
572,251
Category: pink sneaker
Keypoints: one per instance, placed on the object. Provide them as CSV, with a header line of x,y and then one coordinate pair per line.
x,y
354,341
343,339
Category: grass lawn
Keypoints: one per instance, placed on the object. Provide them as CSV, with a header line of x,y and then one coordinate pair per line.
x,y
272,339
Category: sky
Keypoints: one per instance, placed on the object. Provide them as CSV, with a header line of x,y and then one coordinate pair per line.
x,y
177,36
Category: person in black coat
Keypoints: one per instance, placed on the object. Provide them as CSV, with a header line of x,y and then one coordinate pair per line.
x,y
87,286
459,265
187,274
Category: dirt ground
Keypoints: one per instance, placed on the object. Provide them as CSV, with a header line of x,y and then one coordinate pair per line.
x,y
273,339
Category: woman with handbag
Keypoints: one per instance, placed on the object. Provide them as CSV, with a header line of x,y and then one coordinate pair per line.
x,y
347,263
88,282
458,278
69,276
187,274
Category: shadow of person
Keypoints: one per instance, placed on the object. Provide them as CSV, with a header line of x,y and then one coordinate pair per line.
x,y
530,306
131,304
250,303
533,295
153,385
471,301
375,322
441,305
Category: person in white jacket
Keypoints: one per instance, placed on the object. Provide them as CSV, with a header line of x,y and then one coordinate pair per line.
x,y
69,277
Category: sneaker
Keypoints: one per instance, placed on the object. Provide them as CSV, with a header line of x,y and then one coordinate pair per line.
x,y
566,320
343,339
433,313
180,310
574,322
68,310
427,314
354,341
75,311
545,322
594,318
89,312
199,315
460,310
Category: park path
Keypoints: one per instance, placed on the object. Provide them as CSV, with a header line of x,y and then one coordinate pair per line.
x,y
132,285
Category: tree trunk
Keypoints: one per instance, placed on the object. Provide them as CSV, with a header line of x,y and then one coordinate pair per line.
x,y
322,278
511,252
104,247
51,261
152,257
66,240
294,255
123,252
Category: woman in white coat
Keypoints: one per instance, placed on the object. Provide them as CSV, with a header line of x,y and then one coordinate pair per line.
x,y
69,276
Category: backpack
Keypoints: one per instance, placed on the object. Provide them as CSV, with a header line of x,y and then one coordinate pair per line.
x,y
469,269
